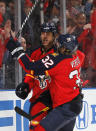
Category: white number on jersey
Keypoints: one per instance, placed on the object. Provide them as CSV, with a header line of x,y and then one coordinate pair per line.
x,y
72,74
47,61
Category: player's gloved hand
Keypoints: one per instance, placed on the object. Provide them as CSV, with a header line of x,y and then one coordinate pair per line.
x,y
14,47
22,90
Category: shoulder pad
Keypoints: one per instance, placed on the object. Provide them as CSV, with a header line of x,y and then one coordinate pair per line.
x,y
55,54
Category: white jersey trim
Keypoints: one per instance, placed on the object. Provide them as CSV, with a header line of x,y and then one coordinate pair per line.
x,y
20,56
16,50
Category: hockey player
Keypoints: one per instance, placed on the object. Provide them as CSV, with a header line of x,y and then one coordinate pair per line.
x,y
39,84
64,69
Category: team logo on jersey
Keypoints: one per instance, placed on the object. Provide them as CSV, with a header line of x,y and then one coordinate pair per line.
x,y
43,80
68,39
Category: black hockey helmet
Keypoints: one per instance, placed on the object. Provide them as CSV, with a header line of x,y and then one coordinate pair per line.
x,y
69,42
48,27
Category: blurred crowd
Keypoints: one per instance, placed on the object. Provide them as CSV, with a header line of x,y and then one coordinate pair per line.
x,y
80,19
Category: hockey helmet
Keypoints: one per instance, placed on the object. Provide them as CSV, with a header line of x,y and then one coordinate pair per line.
x,y
48,27
69,42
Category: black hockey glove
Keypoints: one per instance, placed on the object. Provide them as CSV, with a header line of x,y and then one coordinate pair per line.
x,y
22,90
14,47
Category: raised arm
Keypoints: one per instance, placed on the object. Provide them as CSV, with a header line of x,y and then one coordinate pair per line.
x,y
37,68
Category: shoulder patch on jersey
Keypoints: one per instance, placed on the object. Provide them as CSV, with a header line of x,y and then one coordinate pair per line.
x,y
55,54
33,60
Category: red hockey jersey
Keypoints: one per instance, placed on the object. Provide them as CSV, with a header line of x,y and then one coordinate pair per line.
x,y
64,71
39,83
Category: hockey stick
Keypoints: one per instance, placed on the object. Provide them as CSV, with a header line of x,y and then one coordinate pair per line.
x,y
28,116
26,19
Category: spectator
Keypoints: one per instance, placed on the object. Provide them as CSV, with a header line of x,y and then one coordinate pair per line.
x,y
55,12
89,42
3,14
80,25
93,18
11,12
23,43
79,6
87,9
71,7
80,20
2,11
91,71
3,49
71,25
81,28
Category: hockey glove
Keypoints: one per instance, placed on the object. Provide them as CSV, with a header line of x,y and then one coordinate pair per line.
x,y
14,47
22,90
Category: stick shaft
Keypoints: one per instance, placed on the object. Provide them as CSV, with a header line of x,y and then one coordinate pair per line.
x,y
26,19
28,116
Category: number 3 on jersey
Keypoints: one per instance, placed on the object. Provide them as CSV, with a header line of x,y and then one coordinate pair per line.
x,y
47,61
72,74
